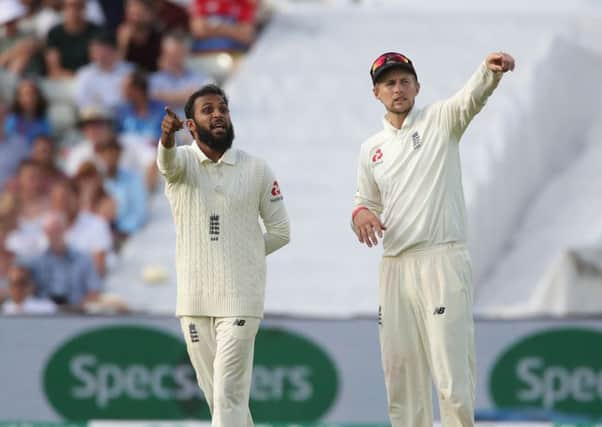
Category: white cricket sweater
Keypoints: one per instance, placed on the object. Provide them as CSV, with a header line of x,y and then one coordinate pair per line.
x,y
411,176
220,246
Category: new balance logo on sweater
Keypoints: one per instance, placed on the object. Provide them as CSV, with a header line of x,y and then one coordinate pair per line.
x,y
194,335
214,227
416,142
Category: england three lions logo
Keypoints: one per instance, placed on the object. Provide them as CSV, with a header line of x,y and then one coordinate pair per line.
x,y
377,157
276,194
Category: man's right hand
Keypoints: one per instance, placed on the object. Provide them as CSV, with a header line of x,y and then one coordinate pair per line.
x,y
169,126
367,226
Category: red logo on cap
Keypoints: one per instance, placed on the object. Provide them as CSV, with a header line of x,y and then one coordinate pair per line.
x,y
275,189
378,154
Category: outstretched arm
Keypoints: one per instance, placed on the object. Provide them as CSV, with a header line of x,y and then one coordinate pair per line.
x,y
169,162
458,111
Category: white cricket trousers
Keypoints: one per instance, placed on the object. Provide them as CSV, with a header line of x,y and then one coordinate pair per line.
x,y
426,329
221,352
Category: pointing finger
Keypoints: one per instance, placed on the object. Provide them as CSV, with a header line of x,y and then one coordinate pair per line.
x,y
169,112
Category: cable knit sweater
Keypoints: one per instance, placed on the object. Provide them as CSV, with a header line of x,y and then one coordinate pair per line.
x,y
220,246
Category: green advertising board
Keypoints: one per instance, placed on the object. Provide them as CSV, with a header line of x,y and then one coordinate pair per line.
x,y
557,371
139,372
182,424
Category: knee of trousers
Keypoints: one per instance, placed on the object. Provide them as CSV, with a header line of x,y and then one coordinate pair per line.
x,y
229,398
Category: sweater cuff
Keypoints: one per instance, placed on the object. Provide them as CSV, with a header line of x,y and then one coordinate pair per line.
x,y
487,74
165,154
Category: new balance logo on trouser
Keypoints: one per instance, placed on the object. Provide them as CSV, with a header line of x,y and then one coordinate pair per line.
x,y
427,333
221,352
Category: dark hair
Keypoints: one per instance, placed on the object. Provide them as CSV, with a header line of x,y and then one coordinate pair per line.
x,y
139,79
26,163
209,89
41,104
148,4
69,183
177,35
111,144
43,136
105,38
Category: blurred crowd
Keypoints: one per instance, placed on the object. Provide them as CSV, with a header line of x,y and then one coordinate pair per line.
x,y
83,85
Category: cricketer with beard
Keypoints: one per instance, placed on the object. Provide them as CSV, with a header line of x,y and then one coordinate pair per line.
x,y
217,195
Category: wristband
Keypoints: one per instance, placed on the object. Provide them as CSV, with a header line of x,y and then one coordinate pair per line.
x,y
356,211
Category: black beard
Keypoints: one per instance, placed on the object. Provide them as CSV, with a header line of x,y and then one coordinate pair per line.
x,y
220,144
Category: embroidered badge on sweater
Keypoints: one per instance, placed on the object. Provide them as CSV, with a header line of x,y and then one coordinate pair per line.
x,y
276,194
377,157
214,227
416,141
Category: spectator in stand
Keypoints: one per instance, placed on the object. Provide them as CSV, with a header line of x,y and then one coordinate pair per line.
x,y
21,299
96,125
86,232
140,116
174,82
13,149
222,25
45,14
99,83
28,116
63,274
128,190
92,196
41,16
31,203
17,47
43,153
138,38
67,43
31,195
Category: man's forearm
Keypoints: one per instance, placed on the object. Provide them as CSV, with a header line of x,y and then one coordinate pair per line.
x,y
168,140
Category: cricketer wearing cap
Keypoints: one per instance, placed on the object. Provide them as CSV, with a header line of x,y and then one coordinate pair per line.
x,y
217,195
410,194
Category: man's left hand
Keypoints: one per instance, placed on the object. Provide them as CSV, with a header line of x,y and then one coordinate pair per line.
x,y
500,61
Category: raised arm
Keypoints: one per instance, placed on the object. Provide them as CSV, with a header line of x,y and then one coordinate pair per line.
x,y
273,213
458,111
169,160
365,220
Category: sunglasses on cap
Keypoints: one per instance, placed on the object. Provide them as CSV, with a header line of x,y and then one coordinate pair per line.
x,y
386,58
389,60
